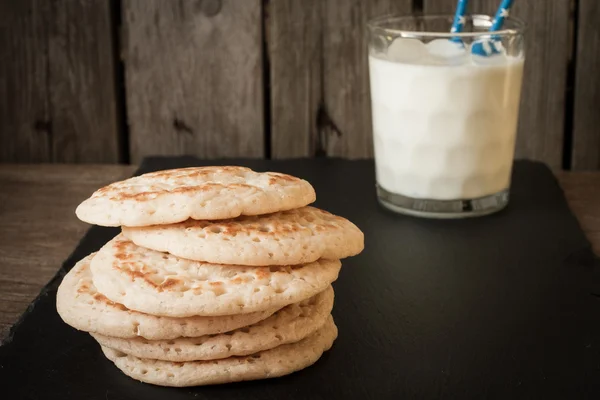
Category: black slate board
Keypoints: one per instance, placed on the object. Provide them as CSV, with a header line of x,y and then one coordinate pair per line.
x,y
506,306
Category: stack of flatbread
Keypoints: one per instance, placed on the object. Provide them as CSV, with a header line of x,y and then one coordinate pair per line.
x,y
219,274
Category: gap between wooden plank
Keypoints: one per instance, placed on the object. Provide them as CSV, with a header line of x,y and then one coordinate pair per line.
x,y
586,118
570,88
116,8
266,78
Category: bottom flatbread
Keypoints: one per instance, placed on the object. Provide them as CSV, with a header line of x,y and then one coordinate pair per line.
x,y
282,360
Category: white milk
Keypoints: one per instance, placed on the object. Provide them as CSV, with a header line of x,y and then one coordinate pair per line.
x,y
444,127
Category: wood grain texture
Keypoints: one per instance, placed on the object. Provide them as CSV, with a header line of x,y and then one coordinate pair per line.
x,y
25,133
295,55
347,128
58,83
82,92
38,228
582,190
542,114
193,72
586,121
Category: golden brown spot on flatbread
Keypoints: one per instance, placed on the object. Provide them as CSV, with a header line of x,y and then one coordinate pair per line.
x,y
276,229
262,273
231,228
216,283
193,172
123,256
135,274
105,189
83,288
121,245
205,171
168,283
204,187
103,299
241,186
277,178
327,226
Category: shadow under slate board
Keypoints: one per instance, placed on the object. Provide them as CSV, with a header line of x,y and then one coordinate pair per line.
x,y
505,306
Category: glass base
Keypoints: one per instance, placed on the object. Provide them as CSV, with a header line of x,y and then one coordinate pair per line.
x,y
442,208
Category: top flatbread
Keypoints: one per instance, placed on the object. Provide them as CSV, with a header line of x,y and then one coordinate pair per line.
x,y
285,238
161,284
205,193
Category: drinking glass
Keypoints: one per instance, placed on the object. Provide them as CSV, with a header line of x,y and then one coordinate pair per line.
x,y
445,109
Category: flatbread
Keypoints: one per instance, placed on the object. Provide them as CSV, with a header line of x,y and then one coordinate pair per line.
x,y
282,360
289,237
161,284
288,325
205,193
80,305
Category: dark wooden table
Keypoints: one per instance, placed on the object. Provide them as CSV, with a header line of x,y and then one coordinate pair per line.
x,y
38,226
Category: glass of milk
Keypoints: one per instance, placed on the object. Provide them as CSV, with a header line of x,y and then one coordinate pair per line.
x,y
444,116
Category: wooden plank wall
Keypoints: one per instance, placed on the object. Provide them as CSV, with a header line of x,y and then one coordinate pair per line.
x,y
319,76
114,81
193,72
57,82
295,58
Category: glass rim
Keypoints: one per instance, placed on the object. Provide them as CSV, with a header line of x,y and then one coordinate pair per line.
x,y
375,25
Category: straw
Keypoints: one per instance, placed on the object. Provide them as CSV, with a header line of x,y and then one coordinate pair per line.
x,y
501,14
486,47
459,19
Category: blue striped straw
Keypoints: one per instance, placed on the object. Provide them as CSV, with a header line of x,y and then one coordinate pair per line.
x,y
501,14
486,47
459,19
